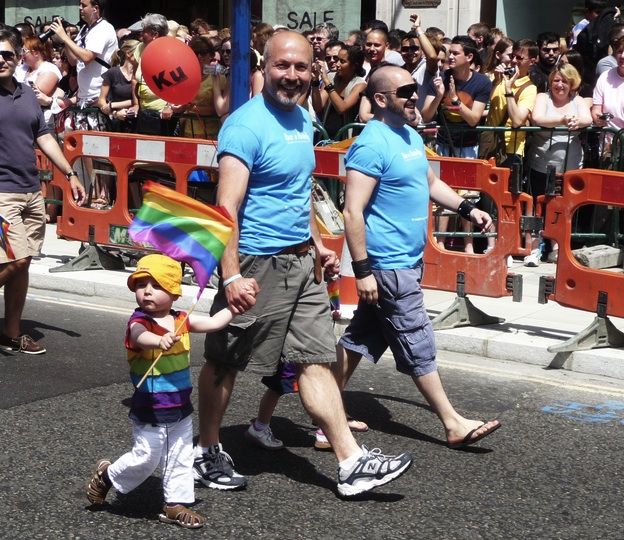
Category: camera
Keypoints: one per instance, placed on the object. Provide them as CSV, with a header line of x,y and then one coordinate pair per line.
x,y
510,71
44,36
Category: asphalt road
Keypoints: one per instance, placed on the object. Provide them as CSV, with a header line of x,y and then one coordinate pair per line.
x,y
555,470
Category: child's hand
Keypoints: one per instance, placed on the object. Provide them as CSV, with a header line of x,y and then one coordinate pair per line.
x,y
168,340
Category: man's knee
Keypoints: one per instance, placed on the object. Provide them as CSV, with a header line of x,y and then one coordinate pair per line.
x,y
220,374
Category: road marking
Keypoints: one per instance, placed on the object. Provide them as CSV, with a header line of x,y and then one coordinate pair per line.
x,y
602,413
76,303
491,370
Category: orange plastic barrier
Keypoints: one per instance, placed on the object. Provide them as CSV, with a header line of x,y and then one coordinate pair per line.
x,y
482,275
576,285
123,151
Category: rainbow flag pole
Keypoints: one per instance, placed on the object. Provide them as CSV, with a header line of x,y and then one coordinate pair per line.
x,y
184,229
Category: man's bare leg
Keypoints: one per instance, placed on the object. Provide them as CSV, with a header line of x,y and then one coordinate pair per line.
x,y
456,426
215,388
321,399
14,276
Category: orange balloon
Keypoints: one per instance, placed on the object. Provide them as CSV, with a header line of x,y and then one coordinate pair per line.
x,y
171,70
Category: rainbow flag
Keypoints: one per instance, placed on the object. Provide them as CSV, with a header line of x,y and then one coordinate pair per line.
x,y
333,289
4,237
182,228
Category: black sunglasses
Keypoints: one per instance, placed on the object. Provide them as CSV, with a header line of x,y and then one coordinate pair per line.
x,y
405,92
331,59
410,48
7,56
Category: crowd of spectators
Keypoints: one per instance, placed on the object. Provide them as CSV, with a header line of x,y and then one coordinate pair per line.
x,y
89,77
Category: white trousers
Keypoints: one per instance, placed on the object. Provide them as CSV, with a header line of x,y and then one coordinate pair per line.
x,y
168,445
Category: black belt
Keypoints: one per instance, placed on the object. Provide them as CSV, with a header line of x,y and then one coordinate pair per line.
x,y
297,249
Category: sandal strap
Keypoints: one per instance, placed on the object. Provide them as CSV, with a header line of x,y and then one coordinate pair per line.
x,y
183,515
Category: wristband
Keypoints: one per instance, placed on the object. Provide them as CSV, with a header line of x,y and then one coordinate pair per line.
x,y
509,94
329,87
361,269
71,173
231,279
465,208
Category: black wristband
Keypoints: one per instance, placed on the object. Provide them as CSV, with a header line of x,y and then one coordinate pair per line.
x,y
70,174
361,269
465,208
329,87
510,94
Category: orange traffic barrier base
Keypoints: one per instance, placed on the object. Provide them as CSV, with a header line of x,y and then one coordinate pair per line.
x,y
575,285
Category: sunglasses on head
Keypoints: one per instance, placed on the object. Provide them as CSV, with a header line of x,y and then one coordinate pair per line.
x,y
410,48
406,91
7,56
331,59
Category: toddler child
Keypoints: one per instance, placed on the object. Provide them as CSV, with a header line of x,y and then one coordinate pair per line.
x,y
161,408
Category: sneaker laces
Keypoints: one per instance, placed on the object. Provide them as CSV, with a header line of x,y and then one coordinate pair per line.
x,y
224,460
376,453
24,340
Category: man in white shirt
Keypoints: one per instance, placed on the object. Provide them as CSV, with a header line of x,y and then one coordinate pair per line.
x,y
92,50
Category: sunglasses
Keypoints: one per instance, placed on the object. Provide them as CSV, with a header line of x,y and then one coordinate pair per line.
x,y
410,48
316,38
405,92
550,50
7,56
331,59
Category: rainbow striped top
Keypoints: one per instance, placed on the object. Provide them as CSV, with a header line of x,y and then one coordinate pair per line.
x,y
165,396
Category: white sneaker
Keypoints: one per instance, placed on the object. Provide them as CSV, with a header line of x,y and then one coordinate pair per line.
x,y
533,259
372,469
264,439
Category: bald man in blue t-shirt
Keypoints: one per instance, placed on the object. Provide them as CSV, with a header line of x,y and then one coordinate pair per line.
x,y
389,184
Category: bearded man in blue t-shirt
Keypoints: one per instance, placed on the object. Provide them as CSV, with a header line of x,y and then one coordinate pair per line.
x,y
389,184
266,161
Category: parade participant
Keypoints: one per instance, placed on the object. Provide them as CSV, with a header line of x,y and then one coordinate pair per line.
x,y
21,200
161,408
389,184
266,159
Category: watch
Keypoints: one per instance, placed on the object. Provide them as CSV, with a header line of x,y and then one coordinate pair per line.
x,y
456,102
71,173
329,87
510,94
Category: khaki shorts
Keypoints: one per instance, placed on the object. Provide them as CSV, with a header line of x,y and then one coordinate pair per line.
x,y
26,215
291,321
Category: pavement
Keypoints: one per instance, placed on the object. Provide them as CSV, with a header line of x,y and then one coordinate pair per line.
x,y
528,329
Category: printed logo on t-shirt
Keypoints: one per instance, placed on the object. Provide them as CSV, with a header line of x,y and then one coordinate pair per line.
x,y
297,137
412,154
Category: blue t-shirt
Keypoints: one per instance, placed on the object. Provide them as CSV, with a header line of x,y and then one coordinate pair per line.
x,y
396,215
276,146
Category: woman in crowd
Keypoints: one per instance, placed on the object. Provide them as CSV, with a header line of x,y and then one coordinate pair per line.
x,y
222,83
116,92
41,74
337,103
499,60
561,106
201,120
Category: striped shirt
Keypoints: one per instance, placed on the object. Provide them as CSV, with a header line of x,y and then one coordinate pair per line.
x,y
165,396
